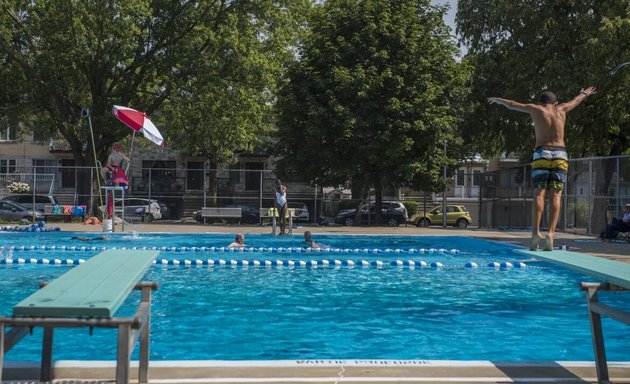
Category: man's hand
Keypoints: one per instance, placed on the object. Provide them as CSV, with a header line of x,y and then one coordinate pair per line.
x,y
494,100
588,91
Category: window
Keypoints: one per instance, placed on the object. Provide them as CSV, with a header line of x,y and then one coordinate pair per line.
x,y
235,173
160,175
6,132
460,177
48,167
68,173
7,166
476,178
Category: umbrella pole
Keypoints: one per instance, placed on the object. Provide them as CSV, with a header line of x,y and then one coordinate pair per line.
x,y
133,138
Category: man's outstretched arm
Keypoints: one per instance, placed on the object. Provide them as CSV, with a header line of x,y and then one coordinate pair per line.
x,y
577,100
511,104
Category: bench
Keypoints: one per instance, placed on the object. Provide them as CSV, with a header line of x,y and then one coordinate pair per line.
x,y
614,276
89,295
68,212
219,212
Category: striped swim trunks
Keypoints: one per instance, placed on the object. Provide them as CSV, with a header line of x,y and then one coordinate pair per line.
x,y
549,167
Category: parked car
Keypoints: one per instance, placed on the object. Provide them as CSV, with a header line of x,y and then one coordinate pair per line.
x,y
26,200
249,214
393,213
145,209
300,210
14,212
456,215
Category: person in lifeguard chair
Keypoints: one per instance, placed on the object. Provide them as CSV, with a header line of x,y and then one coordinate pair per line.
x,y
113,172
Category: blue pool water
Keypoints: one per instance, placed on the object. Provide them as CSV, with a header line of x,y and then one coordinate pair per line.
x,y
303,311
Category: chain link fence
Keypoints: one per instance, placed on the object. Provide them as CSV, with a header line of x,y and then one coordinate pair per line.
x,y
596,190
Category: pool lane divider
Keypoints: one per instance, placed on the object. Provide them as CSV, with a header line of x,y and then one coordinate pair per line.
x,y
234,250
411,264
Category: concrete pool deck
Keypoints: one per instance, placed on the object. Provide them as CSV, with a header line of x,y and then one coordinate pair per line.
x,y
346,371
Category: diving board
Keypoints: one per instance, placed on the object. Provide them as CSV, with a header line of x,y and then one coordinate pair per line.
x,y
608,271
615,276
89,295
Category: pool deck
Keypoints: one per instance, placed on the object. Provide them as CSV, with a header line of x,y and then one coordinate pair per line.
x,y
349,371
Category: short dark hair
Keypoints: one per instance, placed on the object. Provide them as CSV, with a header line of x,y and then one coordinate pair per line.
x,y
547,97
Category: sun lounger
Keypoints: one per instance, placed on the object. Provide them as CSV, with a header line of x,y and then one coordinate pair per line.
x,y
88,296
614,276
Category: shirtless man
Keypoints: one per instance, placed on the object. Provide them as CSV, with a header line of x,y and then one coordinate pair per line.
x,y
239,242
550,160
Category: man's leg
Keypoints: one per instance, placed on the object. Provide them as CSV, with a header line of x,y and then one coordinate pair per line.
x,y
538,205
555,201
283,217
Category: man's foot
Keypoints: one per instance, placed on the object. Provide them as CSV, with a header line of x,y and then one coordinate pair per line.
x,y
548,243
533,246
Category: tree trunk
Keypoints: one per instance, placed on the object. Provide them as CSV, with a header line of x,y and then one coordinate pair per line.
x,y
212,184
602,173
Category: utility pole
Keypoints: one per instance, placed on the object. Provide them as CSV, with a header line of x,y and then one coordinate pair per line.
x,y
444,192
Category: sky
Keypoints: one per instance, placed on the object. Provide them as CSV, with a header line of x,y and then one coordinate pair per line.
x,y
450,16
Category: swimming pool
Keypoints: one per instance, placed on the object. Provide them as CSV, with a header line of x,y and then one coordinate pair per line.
x,y
276,301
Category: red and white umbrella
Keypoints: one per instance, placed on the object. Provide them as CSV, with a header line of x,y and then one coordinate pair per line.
x,y
139,122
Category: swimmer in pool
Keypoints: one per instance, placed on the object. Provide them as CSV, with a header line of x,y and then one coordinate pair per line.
x,y
239,242
82,238
308,240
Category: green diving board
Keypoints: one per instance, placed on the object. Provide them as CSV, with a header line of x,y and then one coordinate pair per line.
x,y
94,288
608,271
89,295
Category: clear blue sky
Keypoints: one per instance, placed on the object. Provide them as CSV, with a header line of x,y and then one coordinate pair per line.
x,y
450,17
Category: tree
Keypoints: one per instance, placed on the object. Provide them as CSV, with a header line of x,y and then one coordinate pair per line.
x,y
522,48
371,97
227,105
63,56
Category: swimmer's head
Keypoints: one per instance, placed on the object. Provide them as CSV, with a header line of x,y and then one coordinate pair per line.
x,y
307,235
547,97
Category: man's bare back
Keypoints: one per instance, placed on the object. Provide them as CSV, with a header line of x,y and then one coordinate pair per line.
x,y
549,125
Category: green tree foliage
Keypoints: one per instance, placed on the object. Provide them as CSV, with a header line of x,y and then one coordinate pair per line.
x,y
227,103
216,59
372,96
520,48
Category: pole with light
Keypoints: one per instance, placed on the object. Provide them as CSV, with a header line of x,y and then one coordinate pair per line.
x,y
444,192
614,70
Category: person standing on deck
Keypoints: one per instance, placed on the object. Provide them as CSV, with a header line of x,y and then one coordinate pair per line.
x,y
550,160
280,204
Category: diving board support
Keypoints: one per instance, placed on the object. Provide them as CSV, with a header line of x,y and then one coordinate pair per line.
x,y
596,310
88,295
615,276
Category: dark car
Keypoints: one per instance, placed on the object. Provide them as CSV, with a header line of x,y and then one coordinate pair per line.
x,y
27,199
13,212
393,213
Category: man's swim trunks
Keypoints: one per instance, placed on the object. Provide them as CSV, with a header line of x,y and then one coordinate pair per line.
x,y
549,167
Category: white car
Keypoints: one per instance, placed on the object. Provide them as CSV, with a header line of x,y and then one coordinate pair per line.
x,y
300,211
145,209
